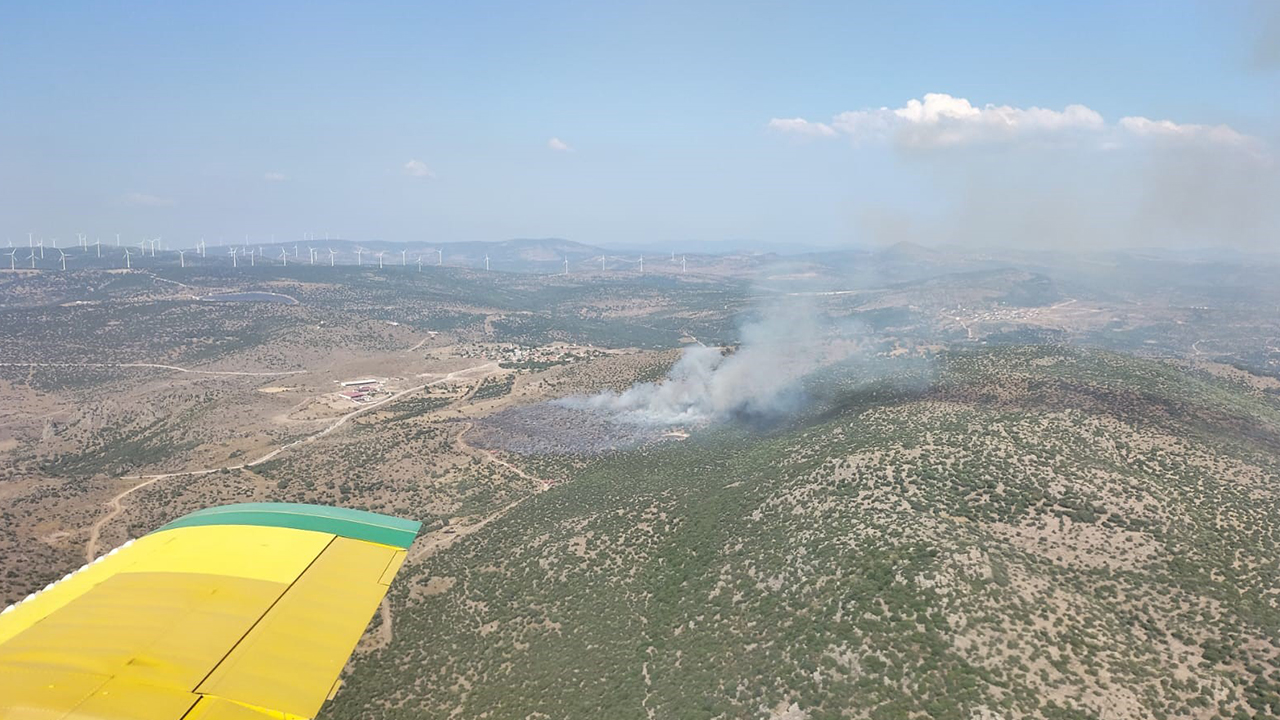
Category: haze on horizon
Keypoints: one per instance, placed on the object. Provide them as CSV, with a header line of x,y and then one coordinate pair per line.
x,y
828,124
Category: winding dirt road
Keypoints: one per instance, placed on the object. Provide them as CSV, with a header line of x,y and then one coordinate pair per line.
x,y
115,506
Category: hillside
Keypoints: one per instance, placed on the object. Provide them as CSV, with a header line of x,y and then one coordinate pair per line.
x,y
1028,532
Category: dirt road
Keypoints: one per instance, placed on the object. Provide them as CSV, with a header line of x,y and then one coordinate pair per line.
x,y
115,506
158,366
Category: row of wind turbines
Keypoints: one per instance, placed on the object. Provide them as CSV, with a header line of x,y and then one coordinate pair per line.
x,y
238,254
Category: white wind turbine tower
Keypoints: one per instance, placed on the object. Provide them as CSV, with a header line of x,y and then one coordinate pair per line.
x,y
486,261
331,254
439,257
419,263
33,259
380,254
251,260
182,258
566,267
13,260
201,247
402,256
63,258
682,267
233,258
295,251
97,245
284,257
359,251
40,244
641,264
602,259
311,253
127,263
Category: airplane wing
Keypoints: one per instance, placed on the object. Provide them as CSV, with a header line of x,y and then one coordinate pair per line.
x,y
238,612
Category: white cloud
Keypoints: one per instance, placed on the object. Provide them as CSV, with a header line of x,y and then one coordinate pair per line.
x,y
939,120
418,169
559,145
1169,130
275,177
800,126
146,200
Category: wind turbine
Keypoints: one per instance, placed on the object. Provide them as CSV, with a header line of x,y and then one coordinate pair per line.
x,y
311,253
419,263
182,258
566,267
359,250
682,268
251,262
233,257
402,254
33,259
97,245
63,258
13,260
641,264
127,263
284,257
201,247
331,254
380,254
486,261
295,250
602,259
40,244
439,257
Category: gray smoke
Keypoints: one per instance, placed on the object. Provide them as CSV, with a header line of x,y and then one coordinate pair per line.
x,y
760,380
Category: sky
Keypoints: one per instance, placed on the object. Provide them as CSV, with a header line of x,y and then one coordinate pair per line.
x,y
648,123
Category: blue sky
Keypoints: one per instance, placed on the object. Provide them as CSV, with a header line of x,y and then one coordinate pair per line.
x,y
435,121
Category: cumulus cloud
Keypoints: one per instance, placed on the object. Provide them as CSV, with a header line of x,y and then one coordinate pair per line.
x,y
1169,130
1031,176
418,169
275,177
139,199
559,145
800,126
939,120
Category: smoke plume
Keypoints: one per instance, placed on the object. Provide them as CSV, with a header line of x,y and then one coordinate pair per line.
x,y
760,380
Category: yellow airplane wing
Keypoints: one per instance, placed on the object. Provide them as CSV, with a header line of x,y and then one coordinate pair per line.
x,y
236,612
